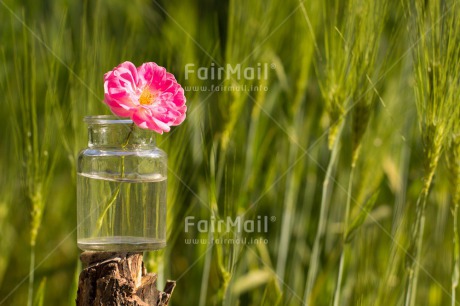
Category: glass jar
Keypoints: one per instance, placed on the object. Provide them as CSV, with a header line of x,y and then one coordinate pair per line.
x,y
121,188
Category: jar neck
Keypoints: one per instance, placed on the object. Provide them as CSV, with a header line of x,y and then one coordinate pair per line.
x,y
117,133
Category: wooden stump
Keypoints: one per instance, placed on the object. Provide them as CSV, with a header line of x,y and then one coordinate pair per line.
x,y
112,279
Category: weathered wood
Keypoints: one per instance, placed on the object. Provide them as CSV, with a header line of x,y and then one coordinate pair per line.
x,y
112,279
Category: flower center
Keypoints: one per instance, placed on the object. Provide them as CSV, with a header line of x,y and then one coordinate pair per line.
x,y
147,97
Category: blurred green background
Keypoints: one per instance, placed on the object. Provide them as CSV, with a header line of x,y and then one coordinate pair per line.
x,y
344,96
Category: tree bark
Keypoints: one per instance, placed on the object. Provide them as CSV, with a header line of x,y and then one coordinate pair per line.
x,y
113,278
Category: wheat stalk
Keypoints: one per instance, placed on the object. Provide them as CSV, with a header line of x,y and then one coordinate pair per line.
x,y
437,66
366,23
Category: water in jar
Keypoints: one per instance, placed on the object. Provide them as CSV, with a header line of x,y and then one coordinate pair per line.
x,y
117,214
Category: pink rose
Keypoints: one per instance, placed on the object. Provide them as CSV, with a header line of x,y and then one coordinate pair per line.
x,y
149,95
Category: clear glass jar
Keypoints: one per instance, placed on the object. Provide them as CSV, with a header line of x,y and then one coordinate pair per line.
x,y
121,188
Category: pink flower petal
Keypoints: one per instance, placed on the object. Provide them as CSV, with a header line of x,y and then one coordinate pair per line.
x,y
125,85
141,118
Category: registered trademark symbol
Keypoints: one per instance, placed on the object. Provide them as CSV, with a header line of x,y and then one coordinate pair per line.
x,y
273,218
273,66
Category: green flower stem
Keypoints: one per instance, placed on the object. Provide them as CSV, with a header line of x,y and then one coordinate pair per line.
x,y
131,130
118,189
106,209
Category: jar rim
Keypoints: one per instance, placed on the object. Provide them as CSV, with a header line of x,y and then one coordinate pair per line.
x,y
106,119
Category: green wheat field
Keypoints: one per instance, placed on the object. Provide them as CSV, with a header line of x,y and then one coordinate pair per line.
x,y
347,142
